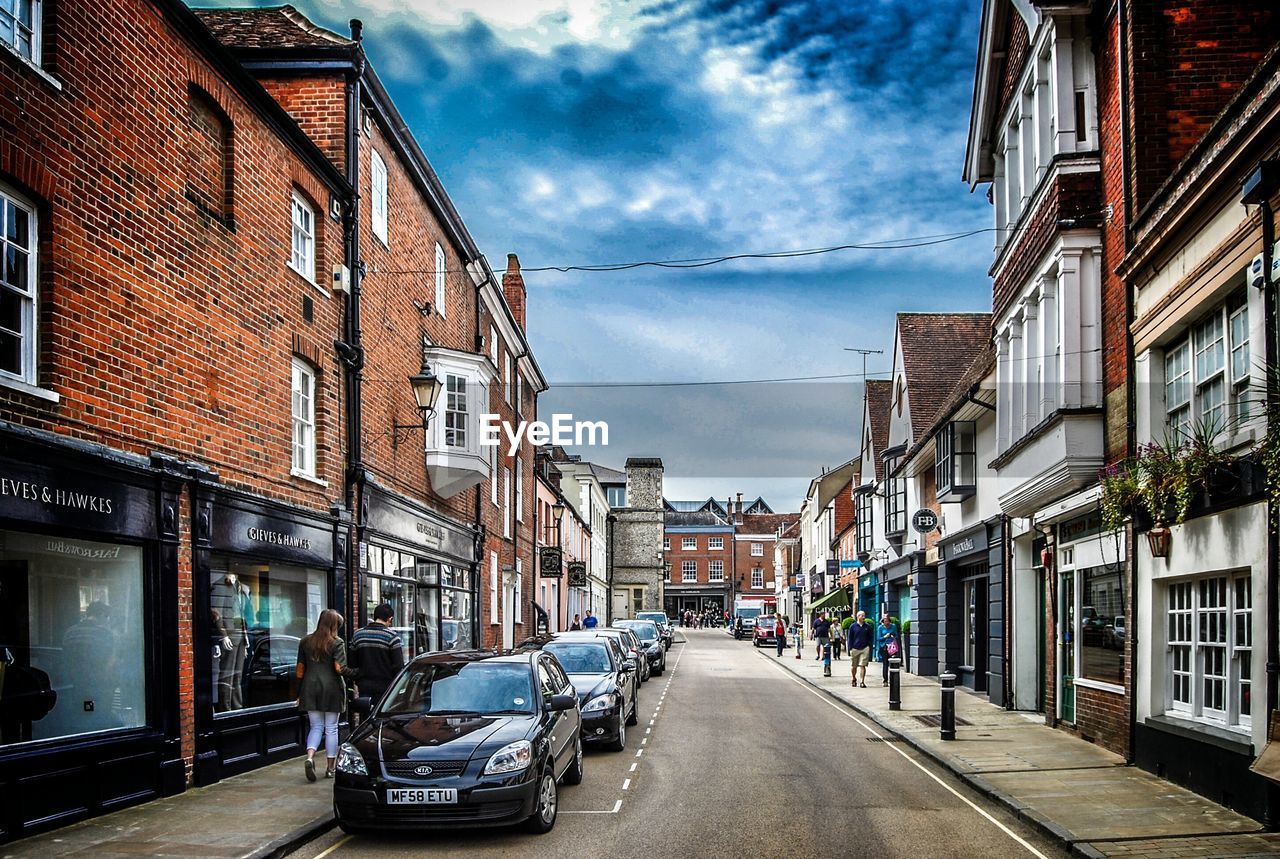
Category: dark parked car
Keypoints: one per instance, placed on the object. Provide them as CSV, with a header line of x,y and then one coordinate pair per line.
x,y
665,626
651,640
627,646
635,650
463,739
269,677
606,685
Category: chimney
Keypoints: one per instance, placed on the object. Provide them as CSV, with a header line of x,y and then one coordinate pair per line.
x,y
737,518
513,289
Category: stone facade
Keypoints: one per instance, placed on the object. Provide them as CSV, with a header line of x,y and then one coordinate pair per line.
x,y
635,549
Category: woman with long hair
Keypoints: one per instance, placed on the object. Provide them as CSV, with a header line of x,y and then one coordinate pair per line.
x,y
322,663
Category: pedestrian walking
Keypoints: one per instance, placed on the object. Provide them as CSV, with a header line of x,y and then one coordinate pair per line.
x,y
322,665
577,623
377,654
837,638
887,644
822,633
780,633
858,638
590,621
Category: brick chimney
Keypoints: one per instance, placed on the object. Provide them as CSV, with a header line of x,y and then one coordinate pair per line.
x,y
737,518
513,289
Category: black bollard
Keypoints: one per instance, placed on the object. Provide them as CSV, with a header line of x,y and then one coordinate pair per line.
x,y
948,706
895,683
826,659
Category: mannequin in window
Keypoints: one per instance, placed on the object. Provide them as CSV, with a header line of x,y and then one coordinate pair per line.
x,y
227,598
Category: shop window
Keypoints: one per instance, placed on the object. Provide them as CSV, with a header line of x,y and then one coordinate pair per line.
x,y
715,571
20,27
258,615
971,631
956,468
1101,625
72,637
1210,650
17,286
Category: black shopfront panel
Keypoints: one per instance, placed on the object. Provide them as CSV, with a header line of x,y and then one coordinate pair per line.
x,y
261,574
88,652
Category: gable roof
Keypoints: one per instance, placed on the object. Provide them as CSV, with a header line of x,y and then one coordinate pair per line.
x,y
766,523
981,366
271,27
758,506
878,399
937,349
605,474
694,519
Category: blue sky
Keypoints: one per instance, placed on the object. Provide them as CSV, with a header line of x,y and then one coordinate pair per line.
x,y
593,131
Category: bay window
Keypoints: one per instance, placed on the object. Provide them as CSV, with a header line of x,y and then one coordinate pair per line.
x,y
458,456
1209,629
956,469
863,510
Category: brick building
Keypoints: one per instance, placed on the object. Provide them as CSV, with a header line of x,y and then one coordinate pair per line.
x,y
698,555
198,431
755,532
563,593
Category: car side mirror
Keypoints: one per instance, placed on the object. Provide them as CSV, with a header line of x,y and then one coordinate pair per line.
x,y
362,706
629,665
562,702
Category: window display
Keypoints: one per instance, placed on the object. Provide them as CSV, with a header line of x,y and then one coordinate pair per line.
x,y
257,615
72,637
1101,621
432,602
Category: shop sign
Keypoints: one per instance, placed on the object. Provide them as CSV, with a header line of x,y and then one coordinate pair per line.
x,y
394,519
75,500
549,558
255,532
847,564
833,567
924,521
577,574
1079,528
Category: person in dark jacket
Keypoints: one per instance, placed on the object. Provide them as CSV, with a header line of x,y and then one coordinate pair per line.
x,y
376,652
858,639
822,634
886,635
322,664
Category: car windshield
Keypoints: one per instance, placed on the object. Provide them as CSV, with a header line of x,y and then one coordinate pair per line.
x,y
581,658
645,631
460,688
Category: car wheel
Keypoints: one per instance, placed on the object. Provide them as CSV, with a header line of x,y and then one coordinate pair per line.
x,y
573,775
544,813
634,718
620,744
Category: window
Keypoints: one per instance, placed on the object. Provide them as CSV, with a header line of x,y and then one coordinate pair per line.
x,y
304,419
303,260
1101,621
441,271
20,27
895,502
1210,649
1206,373
689,543
970,658
757,577
378,193
716,543
506,377
637,601
493,586
493,346
617,499
715,571
519,597
17,286
493,474
666,571
956,469
506,502
757,550
455,411
519,491
666,544
75,611
689,571
863,509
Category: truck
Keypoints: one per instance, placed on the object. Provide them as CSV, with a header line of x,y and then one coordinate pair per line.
x,y
749,608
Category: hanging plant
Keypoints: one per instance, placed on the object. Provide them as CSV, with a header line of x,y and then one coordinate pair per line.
x,y
1119,491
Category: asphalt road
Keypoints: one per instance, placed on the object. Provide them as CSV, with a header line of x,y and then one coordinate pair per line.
x,y
742,760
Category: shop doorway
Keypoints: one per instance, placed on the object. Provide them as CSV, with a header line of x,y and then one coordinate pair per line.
x,y
1066,647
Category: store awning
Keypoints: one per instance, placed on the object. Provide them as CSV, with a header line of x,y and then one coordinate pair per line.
x,y
838,599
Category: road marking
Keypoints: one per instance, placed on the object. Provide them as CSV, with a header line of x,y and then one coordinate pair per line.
x,y
343,840
651,721
633,767
639,752
616,806
626,784
644,740
843,710
648,730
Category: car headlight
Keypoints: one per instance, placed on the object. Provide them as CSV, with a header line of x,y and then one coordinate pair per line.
x,y
510,758
600,702
351,761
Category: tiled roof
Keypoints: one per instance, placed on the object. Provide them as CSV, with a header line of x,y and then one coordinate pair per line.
x,y
879,400
766,523
272,27
607,475
694,518
937,349
978,369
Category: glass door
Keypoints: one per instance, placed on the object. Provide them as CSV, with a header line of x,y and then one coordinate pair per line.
x,y
1067,647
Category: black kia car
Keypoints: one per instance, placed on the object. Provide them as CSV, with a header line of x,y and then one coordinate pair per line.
x,y
606,685
461,740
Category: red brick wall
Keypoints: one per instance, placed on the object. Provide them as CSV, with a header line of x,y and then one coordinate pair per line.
x,y
1186,61
1019,46
703,555
746,561
316,104
163,328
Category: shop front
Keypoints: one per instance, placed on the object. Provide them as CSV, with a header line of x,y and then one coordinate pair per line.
x,y
261,574
88,696
971,596
911,593
423,566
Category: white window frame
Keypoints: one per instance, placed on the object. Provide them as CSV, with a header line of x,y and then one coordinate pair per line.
x,y
302,258
303,411
28,312
493,474
34,33
666,544
1190,374
378,196
506,502
493,346
1197,626
666,571
715,571
519,491
519,596
715,543
688,571
689,544
457,416
494,587
506,376
757,577
757,550
442,270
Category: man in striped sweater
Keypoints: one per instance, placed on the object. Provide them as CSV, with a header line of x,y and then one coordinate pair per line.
x,y
376,651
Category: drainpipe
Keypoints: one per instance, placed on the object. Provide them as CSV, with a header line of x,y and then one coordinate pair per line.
x,y
351,350
1273,404
608,597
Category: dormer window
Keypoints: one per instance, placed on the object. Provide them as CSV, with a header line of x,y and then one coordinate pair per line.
x,y
956,468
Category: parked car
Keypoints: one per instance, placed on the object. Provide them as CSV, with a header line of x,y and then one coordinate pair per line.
x,y
665,626
617,638
765,631
605,683
462,739
630,645
1115,633
651,640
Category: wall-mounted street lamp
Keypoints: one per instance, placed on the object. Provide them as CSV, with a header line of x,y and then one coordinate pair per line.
x,y
426,391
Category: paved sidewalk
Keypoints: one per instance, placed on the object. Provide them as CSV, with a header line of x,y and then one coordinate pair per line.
x,y
260,814
1080,793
